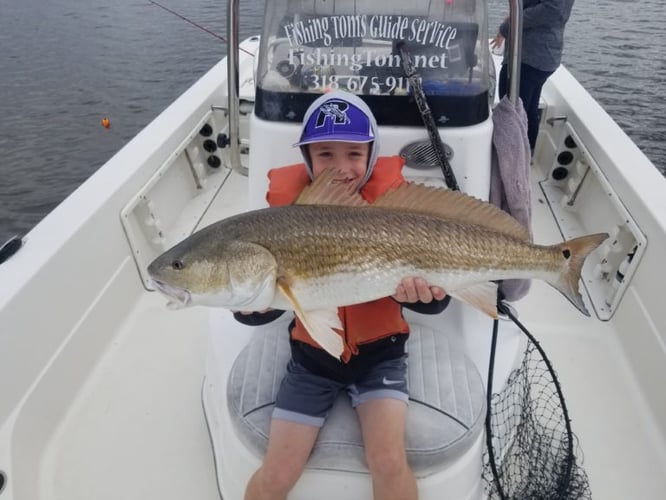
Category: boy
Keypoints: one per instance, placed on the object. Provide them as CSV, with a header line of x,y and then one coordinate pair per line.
x,y
339,132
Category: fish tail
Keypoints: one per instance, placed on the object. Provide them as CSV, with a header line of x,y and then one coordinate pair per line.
x,y
574,253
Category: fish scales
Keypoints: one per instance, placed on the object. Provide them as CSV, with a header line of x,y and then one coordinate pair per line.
x,y
312,240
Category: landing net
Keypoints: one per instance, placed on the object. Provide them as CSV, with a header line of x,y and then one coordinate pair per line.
x,y
531,450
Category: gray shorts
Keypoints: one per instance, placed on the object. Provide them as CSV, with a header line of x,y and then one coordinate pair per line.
x,y
307,398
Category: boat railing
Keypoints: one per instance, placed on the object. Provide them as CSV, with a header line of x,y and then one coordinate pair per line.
x,y
515,47
233,43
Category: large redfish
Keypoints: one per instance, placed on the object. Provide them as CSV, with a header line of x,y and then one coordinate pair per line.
x,y
330,249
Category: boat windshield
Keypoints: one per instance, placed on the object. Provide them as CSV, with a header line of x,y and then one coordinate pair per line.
x,y
309,47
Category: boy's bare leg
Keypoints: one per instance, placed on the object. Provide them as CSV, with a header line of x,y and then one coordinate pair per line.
x,y
289,446
383,424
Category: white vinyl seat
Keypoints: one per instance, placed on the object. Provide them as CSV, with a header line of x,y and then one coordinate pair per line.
x,y
446,408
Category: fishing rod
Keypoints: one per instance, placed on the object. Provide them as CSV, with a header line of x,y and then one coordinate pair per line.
x,y
426,114
196,25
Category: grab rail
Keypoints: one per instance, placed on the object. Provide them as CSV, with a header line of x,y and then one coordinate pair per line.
x,y
233,88
515,46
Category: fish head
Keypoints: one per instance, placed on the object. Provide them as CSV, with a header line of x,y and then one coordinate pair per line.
x,y
233,274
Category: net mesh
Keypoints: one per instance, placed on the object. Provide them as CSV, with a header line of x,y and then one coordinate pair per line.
x,y
531,452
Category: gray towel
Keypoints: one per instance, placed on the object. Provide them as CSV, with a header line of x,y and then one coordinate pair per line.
x,y
509,175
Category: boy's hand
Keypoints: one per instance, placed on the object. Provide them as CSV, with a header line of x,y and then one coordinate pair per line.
x,y
412,290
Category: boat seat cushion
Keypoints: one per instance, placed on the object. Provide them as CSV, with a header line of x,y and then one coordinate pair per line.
x,y
445,414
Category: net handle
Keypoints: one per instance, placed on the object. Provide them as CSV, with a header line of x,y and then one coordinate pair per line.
x,y
489,396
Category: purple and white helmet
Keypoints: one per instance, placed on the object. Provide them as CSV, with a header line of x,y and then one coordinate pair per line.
x,y
342,117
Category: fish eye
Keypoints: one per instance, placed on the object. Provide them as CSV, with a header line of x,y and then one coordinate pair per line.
x,y
177,264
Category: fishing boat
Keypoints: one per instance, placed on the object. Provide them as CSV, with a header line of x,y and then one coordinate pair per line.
x,y
107,394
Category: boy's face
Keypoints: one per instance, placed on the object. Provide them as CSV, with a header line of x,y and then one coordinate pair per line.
x,y
350,159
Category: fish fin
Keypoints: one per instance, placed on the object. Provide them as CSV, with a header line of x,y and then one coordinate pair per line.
x,y
482,297
453,205
574,253
319,323
325,190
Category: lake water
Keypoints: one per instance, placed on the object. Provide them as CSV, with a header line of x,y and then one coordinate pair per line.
x,y
66,64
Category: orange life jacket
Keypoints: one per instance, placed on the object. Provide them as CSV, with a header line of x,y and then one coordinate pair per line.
x,y
362,323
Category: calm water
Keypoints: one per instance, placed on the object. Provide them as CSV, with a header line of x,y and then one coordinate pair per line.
x,y
66,64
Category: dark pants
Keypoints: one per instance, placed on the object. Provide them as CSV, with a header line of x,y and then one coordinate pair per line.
x,y
531,83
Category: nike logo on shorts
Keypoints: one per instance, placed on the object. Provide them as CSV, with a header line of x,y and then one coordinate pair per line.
x,y
387,381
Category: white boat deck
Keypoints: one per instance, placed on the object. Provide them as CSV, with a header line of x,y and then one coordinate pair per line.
x,y
140,414
623,451
137,428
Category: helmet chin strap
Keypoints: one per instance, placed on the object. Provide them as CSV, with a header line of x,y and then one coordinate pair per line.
x,y
306,158
372,160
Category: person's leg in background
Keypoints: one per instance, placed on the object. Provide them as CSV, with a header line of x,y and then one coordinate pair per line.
x,y
531,83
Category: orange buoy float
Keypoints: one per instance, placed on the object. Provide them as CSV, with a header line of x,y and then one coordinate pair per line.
x,y
106,123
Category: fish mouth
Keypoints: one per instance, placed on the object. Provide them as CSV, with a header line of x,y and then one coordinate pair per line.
x,y
181,296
